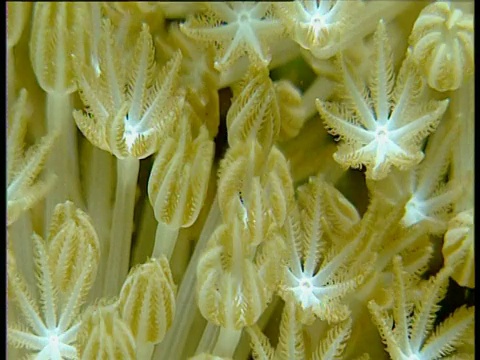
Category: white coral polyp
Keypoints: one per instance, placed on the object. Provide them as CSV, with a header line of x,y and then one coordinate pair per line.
x,y
413,357
413,213
319,28
304,292
381,134
134,133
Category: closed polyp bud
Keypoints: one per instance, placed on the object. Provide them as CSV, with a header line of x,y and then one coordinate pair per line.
x,y
73,243
442,42
104,335
147,300
52,42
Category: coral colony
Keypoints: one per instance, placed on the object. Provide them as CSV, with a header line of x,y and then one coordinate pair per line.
x,y
244,180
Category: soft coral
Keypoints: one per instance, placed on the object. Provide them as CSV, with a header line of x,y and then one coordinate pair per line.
x,y
382,126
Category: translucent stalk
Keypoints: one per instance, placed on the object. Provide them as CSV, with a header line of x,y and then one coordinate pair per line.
x,y
145,351
145,236
282,52
462,108
99,190
165,240
10,75
207,342
63,159
177,336
227,342
322,89
122,226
